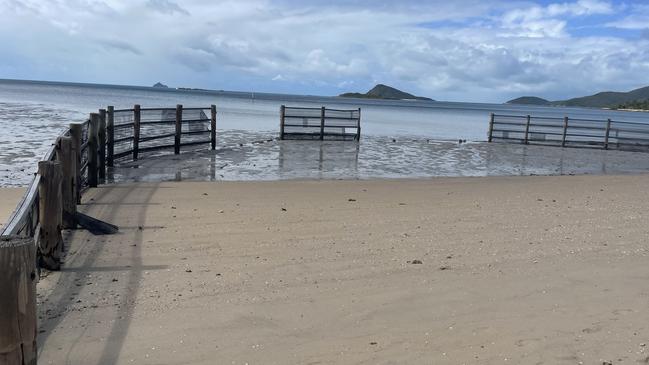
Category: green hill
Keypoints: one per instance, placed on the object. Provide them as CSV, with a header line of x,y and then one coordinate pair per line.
x,y
381,91
529,100
607,99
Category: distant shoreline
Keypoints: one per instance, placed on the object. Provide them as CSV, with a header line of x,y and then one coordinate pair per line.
x,y
628,110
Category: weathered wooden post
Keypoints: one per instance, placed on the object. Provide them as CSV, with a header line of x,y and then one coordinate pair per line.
x,y
322,122
358,125
18,301
213,126
66,156
50,241
179,128
608,131
565,131
110,136
492,118
101,136
136,131
282,114
93,145
527,129
76,131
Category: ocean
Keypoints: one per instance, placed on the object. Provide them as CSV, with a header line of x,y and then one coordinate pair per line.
x,y
33,113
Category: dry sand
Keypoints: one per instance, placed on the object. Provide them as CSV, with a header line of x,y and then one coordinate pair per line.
x,y
520,270
9,198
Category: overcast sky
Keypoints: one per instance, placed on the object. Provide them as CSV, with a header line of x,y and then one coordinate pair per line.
x,y
460,50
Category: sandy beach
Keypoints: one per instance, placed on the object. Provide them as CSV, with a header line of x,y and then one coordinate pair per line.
x,y
520,270
9,198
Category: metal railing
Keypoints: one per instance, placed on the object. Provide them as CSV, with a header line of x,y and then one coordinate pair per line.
x,y
141,130
319,123
569,132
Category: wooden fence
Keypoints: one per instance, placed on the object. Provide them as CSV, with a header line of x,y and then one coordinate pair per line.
x,y
319,123
76,161
569,132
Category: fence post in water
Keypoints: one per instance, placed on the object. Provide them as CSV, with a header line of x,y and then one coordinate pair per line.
x,y
76,131
492,117
358,126
66,156
179,128
93,144
527,128
565,131
282,114
136,131
608,131
101,136
110,136
213,126
50,241
322,122
18,300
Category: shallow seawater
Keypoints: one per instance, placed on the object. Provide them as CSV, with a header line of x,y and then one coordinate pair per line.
x,y
242,155
27,132
32,115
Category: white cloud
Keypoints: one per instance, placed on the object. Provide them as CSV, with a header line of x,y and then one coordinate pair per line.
x,y
483,51
580,8
549,21
166,7
638,18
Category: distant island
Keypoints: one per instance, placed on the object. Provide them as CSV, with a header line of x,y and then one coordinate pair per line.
x,y
161,85
381,91
529,100
634,99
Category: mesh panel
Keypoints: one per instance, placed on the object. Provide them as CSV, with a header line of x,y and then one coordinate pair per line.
x,y
195,127
158,129
290,112
627,134
508,127
123,132
306,123
544,129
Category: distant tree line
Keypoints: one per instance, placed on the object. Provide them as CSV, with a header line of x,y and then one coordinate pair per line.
x,y
636,104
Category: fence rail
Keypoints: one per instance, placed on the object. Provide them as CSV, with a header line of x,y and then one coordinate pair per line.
x,y
569,132
319,123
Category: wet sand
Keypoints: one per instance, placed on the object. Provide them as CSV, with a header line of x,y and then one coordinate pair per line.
x,y
262,158
521,270
9,198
